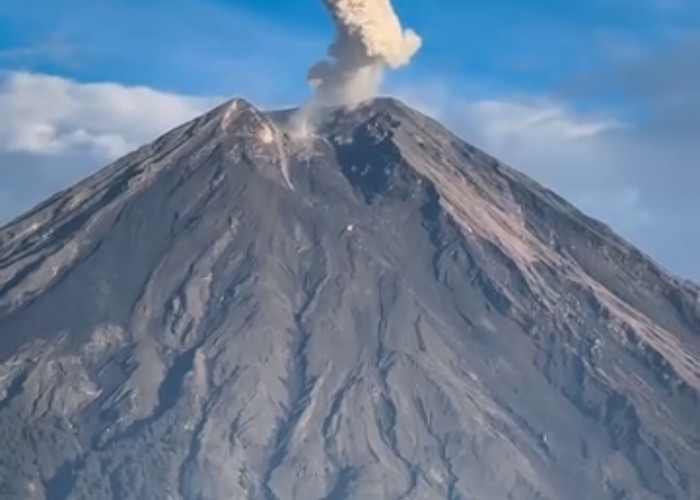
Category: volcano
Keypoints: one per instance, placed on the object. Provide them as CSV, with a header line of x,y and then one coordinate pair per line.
x,y
376,311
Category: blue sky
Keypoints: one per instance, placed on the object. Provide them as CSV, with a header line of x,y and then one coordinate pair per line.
x,y
226,46
597,99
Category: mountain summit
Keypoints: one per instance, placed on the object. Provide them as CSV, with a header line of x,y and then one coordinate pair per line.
x,y
379,311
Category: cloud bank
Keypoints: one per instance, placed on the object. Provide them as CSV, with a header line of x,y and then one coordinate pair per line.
x,y
55,131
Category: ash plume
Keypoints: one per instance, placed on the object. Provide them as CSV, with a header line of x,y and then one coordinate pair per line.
x,y
369,39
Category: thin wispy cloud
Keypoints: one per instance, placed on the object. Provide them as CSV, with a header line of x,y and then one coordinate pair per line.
x,y
56,50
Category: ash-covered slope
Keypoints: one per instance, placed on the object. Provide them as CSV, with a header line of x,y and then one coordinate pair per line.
x,y
379,312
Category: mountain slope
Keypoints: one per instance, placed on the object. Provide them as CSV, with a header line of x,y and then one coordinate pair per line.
x,y
380,311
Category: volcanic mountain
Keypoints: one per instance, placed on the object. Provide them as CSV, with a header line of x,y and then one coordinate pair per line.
x,y
376,311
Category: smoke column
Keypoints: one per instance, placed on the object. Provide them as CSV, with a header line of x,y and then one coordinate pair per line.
x,y
369,39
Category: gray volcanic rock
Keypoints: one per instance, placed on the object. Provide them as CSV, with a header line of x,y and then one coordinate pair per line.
x,y
379,311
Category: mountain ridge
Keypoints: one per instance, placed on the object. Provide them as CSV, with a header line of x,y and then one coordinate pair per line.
x,y
379,311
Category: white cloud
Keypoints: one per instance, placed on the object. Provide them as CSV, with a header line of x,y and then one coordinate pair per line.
x,y
47,115
55,131
506,120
